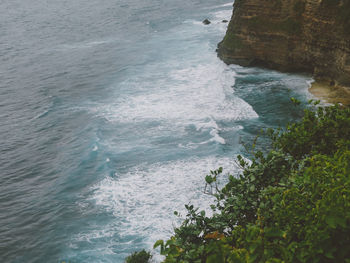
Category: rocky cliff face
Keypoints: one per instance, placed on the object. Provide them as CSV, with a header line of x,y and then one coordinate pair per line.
x,y
291,35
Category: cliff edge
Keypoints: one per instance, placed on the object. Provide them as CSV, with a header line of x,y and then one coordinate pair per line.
x,y
291,35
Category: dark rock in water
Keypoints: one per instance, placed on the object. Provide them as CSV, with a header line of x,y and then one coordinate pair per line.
x,y
206,22
224,21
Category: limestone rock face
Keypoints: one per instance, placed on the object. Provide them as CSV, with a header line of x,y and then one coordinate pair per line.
x,y
291,35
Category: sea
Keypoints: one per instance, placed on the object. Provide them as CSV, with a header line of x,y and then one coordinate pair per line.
x,y
111,114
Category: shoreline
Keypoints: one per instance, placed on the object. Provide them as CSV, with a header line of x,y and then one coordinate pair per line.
x,y
331,94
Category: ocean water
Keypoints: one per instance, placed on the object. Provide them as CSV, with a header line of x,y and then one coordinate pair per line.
x,y
112,113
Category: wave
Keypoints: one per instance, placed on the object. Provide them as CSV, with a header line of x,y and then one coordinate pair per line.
x,y
143,200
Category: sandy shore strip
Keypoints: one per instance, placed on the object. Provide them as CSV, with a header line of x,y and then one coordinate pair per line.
x,y
332,94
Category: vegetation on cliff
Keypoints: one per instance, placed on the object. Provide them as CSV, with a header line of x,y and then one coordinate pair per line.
x,y
142,256
290,204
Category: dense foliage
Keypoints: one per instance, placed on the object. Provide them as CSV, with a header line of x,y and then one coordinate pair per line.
x,y
142,256
291,204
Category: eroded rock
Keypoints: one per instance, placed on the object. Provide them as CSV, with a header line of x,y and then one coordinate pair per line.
x,y
291,35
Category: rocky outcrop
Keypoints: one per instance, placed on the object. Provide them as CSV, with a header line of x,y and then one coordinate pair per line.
x,y
291,35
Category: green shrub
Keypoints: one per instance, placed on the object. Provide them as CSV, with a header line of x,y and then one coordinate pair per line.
x,y
322,131
142,256
291,204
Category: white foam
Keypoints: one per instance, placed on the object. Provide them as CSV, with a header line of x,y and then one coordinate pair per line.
x,y
143,200
82,45
228,4
190,87
218,17
222,14
195,22
216,137
191,95
199,95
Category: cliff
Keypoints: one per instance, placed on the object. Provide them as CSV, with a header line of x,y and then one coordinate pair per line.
x,y
291,35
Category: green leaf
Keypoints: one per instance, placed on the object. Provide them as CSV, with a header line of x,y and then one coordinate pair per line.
x,y
158,243
215,259
209,179
331,221
274,232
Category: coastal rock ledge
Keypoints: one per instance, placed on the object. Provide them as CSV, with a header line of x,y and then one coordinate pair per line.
x,y
310,36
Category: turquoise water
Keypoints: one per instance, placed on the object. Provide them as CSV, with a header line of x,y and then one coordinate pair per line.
x,y
111,113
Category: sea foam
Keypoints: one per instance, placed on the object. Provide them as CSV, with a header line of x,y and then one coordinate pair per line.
x,y
143,200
